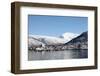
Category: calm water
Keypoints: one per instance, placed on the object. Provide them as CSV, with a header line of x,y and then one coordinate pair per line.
x,y
54,55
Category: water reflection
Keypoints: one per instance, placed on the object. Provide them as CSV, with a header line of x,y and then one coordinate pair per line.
x,y
54,55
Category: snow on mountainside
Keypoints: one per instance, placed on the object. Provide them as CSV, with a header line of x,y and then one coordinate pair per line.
x,y
36,40
79,42
45,40
32,41
69,36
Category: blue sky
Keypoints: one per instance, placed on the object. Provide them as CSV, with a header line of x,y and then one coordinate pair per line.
x,y
56,25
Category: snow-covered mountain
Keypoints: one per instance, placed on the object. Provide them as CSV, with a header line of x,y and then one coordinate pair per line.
x,y
36,40
44,40
79,42
69,36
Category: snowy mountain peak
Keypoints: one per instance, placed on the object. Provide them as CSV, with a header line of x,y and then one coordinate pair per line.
x,y
69,36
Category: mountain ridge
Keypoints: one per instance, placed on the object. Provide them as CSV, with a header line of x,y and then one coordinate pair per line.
x,y
48,40
56,43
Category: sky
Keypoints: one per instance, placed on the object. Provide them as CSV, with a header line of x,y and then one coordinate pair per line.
x,y
56,25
